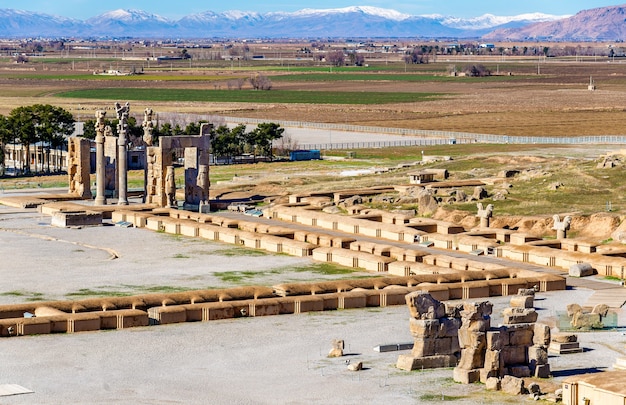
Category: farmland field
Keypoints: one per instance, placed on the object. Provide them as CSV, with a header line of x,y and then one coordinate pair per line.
x,y
524,96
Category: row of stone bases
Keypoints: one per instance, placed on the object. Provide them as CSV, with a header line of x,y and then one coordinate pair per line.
x,y
461,336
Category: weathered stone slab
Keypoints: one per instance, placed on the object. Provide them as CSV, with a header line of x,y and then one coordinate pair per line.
x,y
580,270
76,219
409,362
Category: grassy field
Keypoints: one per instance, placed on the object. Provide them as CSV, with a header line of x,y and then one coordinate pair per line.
x,y
247,96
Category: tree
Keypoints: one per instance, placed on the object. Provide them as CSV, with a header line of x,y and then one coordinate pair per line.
x,y
40,123
356,59
22,121
263,136
335,58
260,82
55,125
477,70
6,137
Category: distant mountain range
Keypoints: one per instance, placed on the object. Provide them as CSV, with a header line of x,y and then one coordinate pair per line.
x,y
352,22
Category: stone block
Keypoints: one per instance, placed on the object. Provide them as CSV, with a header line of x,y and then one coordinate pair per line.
x,y
424,328
493,360
476,311
166,315
541,334
210,311
309,304
472,340
519,315
522,301
514,355
478,325
424,347
76,219
495,341
351,300
521,337
542,371
486,374
471,359
564,338
453,310
449,327
265,307
409,362
537,355
444,345
423,306
564,348
512,385
464,376
123,318
357,366
33,326
493,384
580,270
520,371
83,323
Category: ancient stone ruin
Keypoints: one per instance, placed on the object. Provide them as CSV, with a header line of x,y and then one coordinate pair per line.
x,y
461,335
160,186
434,327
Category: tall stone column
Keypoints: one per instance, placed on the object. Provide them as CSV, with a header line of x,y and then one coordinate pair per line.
x,y
100,161
122,161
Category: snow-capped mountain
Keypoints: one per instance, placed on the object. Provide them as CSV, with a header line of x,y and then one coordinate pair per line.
x,y
489,21
603,23
358,21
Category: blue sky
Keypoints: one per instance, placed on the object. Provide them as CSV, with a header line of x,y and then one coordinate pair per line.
x,y
83,9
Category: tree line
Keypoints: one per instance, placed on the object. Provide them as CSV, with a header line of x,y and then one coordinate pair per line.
x,y
47,127
42,125
226,143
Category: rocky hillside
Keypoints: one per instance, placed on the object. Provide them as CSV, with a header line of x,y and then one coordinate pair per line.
x,y
604,23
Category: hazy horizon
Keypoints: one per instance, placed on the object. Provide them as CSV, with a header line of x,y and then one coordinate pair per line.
x,y
83,9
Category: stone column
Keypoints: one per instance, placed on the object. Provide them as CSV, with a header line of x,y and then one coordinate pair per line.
x,y
561,227
122,114
484,214
100,162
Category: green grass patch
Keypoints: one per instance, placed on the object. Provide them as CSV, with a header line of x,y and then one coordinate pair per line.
x,y
250,96
325,269
439,397
131,78
26,295
180,256
393,77
237,277
236,251
88,292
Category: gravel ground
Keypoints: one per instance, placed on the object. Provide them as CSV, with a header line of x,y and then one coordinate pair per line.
x,y
263,360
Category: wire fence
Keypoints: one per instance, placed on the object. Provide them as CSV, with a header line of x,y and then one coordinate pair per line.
x,y
426,137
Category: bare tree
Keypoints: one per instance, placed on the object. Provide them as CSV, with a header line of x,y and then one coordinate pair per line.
x,y
335,58
285,145
260,82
